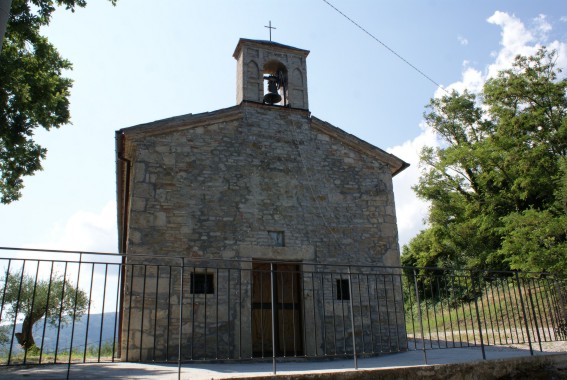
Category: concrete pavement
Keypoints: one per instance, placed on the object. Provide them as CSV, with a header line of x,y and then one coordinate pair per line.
x,y
392,366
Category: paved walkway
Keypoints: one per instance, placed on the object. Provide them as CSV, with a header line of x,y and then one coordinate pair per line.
x,y
249,370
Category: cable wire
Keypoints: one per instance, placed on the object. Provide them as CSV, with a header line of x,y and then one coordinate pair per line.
x,y
386,46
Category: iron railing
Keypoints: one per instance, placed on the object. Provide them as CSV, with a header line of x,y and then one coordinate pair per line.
x,y
73,307
452,309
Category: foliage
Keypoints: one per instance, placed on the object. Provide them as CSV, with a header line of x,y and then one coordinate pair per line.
x,y
497,184
33,92
56,299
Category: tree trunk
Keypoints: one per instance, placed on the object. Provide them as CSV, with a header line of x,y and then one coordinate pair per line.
x,y
25,338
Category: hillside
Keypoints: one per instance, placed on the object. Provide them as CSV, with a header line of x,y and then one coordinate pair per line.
x,y
94,327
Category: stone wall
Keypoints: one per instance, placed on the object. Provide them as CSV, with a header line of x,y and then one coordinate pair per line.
x,y
213,191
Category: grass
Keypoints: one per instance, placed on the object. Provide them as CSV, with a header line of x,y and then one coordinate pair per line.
x,y
502,314
78,355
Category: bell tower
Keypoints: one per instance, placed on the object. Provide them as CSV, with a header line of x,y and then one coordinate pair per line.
x,y
271,73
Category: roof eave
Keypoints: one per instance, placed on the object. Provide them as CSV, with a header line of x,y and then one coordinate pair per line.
x,y
396,164
277,45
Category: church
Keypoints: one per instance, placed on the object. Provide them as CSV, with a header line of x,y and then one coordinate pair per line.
x,y
258,229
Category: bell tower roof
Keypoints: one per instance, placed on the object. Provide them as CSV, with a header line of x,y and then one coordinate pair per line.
x,y
266,44
271,73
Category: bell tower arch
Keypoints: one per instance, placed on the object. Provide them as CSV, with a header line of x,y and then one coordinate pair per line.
x,y
275,83
271,73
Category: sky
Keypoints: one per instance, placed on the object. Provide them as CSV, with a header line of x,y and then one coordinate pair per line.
x,y
144,60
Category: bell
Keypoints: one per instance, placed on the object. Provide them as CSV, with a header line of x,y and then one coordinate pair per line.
x,y
272,98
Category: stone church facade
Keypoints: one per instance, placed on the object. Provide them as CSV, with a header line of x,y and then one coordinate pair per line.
x,y
238,189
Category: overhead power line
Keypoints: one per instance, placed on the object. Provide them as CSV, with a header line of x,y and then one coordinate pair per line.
x,y
386,46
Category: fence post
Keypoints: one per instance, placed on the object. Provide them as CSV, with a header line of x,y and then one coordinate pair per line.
x,y
180,319
352,319
17,309
524,313
273,296
31,312
535,319
74,314
419,314
478,317
561,311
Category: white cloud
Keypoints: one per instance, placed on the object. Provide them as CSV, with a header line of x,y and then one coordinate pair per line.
x,y
87,231
410,210
84,231
514,34
516,39
472,80
462,40
542,27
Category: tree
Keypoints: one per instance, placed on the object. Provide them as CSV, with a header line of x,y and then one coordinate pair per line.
x,y
33,92
494,186
35,299
534,240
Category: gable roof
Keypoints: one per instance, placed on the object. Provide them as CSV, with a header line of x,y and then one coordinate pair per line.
x,y
395,163
189,121
181,122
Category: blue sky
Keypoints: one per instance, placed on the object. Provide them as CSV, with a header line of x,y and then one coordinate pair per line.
x,y
145,60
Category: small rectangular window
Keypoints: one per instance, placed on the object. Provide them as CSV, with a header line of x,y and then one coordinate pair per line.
x,y
343,291
202,283
276,238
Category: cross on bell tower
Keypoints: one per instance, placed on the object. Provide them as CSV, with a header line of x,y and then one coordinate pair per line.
x,y
270,27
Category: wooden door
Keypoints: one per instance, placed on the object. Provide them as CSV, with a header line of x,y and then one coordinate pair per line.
x,y
286,293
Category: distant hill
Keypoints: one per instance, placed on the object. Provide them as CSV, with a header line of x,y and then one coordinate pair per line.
x,y
96,322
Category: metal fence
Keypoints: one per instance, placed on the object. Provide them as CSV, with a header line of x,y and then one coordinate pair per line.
x,y
451,309
72,307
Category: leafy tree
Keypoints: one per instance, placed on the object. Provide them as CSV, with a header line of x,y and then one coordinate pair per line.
x,y
534,240
33,92
496,186
53,299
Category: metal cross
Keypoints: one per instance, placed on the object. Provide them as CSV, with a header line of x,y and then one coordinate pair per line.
x,y
270,28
